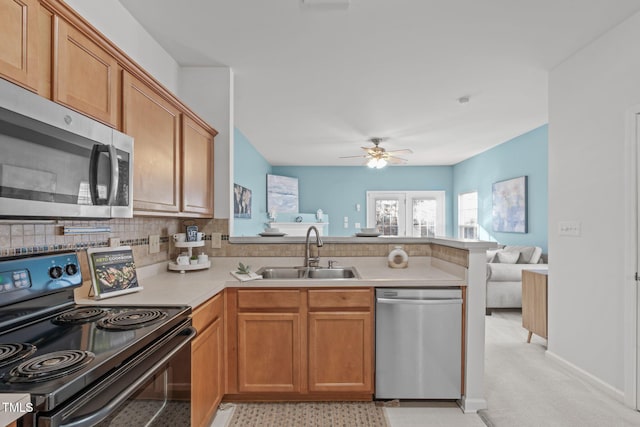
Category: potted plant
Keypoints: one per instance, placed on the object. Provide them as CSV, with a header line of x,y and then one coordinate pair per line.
x,y
193,260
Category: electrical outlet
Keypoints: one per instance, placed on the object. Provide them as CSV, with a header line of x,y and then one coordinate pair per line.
x,y
569,228
154,244
216,240
114,242
356,225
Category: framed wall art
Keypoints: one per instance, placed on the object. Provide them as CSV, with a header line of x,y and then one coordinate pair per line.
x,y
509,214
241,202
282,194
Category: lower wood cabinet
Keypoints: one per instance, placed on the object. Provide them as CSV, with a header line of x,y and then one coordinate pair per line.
x,y
269,352
299,344
340,350
207,361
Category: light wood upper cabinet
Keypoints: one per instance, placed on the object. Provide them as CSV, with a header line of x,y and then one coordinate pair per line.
x,y
19,42
154,123
86,77
197,169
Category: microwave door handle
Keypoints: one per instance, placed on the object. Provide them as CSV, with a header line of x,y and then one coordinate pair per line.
x,y
93,172
115,174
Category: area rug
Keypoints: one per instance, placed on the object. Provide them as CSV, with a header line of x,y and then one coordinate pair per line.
x,y
322,414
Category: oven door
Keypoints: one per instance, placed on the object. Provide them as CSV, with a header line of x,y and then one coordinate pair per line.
x,y
154,389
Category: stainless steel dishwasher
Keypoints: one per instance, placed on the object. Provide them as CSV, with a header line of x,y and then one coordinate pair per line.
x,y
418,343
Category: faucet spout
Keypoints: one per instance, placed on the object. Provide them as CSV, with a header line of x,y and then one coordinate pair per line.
x,y
308,260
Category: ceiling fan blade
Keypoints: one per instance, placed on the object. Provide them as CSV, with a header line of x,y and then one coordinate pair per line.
x,y
403,150
396,160
353,157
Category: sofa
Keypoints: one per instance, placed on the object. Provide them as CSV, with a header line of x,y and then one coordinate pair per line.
x,y
504,274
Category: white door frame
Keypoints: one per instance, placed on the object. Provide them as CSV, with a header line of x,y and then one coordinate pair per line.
x,y
631,262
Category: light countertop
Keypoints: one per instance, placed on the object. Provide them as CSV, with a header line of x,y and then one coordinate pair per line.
x,y
13,406
163,287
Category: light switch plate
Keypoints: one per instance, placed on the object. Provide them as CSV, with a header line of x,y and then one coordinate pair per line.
x,y
114,242
216,240
154,243
569,228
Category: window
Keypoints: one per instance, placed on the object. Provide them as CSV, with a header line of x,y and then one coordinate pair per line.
x,y
468,215
406,213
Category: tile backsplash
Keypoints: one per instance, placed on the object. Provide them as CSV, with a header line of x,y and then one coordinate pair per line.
x,y
29,237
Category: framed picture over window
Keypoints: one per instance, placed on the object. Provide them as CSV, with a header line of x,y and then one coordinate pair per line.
x,y
509,213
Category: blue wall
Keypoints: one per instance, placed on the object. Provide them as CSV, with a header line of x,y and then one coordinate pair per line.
x,y
337,189
523,155
250,171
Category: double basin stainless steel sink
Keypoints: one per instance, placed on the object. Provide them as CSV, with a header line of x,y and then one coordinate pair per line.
x,y
298,273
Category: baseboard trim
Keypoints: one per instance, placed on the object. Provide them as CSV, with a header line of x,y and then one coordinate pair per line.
x,y
606,388
472,406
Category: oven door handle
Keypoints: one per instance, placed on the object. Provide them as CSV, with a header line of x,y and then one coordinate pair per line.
x,y
104,412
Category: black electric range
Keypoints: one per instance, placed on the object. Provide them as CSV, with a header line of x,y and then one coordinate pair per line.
x,y
56,350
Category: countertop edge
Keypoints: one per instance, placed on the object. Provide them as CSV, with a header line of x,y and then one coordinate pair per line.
x,y
21,402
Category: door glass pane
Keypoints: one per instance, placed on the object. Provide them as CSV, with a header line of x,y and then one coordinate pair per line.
x,y
387,216
424,218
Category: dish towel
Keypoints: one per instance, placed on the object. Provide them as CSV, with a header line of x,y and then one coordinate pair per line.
x,y
246,277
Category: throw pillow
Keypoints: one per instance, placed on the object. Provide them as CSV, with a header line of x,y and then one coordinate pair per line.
x,y
491,255
507,257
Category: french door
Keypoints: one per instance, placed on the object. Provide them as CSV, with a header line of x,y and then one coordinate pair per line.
x,y
407,213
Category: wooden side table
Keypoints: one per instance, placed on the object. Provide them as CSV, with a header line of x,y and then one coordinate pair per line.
x,y
534,302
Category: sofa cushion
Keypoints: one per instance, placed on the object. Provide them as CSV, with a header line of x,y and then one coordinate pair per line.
x,y
507,257
491,254
528,254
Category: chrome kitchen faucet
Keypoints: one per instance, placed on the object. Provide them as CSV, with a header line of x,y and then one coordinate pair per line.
x,y
312,261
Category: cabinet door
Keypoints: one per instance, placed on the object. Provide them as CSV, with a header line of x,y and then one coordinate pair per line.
x,y
269,352
19,42
154,123
197,169
86,76
340,351
206,374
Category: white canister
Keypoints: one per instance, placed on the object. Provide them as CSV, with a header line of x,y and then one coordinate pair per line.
x,y
398,258
203,258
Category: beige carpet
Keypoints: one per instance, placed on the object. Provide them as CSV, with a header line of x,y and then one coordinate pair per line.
x,y
323,414
524,388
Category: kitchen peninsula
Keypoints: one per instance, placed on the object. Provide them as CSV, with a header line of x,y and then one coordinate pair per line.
x,y
452,263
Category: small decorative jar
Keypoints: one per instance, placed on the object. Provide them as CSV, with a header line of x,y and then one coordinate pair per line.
x,y
398,258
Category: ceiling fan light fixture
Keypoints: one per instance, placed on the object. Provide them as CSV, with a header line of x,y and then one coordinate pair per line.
x,y
376,163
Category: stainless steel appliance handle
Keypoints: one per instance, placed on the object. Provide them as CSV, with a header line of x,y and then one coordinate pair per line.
x,y
93,173
104,412
419,301
115,174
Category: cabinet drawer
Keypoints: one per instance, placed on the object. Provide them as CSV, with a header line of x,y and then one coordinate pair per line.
x,y
205,314
340,298
268,298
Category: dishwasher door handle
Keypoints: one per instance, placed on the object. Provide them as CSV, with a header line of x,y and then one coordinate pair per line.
x,y
419,301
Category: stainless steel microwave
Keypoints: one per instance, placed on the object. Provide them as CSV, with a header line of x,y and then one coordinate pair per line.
x,y
57,163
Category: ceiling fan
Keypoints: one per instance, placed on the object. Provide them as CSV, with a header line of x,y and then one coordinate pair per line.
x,y
377,157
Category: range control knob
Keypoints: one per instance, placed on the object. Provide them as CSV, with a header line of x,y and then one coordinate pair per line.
x,y
71,269
55,272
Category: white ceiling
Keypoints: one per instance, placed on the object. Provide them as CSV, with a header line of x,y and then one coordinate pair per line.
x,y
313,84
